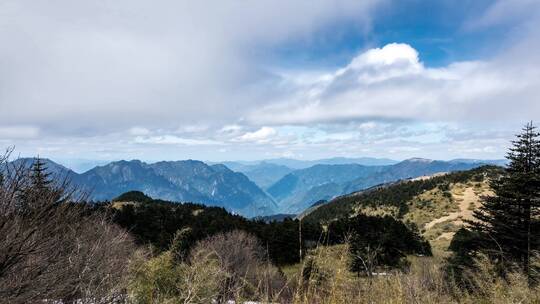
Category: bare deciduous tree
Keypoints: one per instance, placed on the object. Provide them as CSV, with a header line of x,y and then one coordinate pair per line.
x,y
51,246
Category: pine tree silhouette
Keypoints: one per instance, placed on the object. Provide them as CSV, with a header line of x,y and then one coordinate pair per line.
x,y
40,187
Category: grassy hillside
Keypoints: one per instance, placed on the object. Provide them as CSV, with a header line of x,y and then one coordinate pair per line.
x,y
437,205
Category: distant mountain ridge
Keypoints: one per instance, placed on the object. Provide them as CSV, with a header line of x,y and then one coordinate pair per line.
x,y
266,172
181,181
55,169
283,190
302,164
300,189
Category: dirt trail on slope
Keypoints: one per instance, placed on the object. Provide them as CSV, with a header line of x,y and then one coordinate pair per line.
x,y
465,199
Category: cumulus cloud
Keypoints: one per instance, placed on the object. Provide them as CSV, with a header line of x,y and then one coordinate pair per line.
x,y
263,134
392,83
379,64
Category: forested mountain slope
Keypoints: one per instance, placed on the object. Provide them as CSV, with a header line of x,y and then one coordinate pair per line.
x,y
437,205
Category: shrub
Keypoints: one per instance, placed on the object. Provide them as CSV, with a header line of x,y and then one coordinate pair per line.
x,y
181,244
228,266
161,280
249,273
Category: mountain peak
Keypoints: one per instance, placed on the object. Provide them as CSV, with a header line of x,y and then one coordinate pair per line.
x,y
185,180
124,162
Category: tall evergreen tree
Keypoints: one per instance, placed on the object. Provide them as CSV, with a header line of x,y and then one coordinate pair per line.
x,y
39,176
40,187
507,226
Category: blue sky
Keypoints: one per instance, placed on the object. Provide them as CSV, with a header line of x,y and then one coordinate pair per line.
x,y
263,79
437,29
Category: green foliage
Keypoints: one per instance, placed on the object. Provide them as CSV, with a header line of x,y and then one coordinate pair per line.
x,y
156,222
507,225
161,280
465,243
181,243
38,187
227,266
133,196
173,226
40,178
377,241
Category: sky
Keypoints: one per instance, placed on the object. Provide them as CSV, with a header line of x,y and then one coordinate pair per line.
x,y
92,81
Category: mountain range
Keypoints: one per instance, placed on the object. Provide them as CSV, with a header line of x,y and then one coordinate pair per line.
x,y
249,188
302,164
300,189
266,172
181,181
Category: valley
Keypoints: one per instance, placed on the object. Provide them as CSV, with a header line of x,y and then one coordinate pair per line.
x,y
251,189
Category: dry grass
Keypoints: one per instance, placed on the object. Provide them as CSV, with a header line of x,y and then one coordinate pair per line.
x,y
442,229
437,213
324,277
431,208
424,282
377,211
467,198
430,205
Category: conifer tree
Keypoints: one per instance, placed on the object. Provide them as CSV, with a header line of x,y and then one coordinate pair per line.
x,y
40,187
508,223
39,176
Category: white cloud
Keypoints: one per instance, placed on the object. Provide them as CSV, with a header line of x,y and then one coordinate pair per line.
x,y
392,83
197,128
379,64
367,126
264,134
174,140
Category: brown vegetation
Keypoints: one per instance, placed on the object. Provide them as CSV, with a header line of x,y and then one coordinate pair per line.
x,y
50,248
329,281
